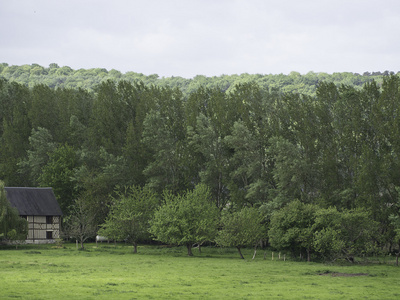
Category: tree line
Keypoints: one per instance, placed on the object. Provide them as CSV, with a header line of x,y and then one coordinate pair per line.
x,y
55,76
332,156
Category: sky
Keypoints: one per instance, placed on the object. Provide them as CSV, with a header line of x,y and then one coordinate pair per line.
x,y
203,37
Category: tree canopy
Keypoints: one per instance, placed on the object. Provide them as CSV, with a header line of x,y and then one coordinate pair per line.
x,y
130,213
55,76
241,228
186,219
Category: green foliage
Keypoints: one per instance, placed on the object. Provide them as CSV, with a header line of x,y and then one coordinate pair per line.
x,y
58,174
248,165
329,233
291,228
41,145
241,228
65,77
186,219
108,124
164,169
394,219
130,214
207,144
344,234
12,226
14,130
290,169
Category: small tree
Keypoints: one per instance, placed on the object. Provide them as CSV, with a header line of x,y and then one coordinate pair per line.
x,y
329,233
129,215
291,228
240,229
81,223
12,226
343,234
186,219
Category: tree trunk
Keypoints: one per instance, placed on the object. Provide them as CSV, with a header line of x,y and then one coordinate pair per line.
x,y
397,255
308,255
134,247
189,248
82,244
240,253
255,252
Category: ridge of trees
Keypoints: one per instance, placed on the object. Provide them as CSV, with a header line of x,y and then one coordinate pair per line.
x,y
337,152
55,76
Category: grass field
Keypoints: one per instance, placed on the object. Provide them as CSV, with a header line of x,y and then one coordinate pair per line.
x,y
114,272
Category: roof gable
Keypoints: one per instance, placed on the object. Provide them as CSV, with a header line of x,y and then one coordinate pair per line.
x,y
33,201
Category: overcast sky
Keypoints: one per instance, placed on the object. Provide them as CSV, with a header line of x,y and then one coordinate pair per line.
x,y
203,37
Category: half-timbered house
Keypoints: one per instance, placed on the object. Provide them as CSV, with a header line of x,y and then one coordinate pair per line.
x,y
40,208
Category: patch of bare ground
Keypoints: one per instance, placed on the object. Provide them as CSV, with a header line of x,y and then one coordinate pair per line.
x,y
336,274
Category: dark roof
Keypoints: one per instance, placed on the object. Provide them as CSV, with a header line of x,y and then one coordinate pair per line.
x,y
33,201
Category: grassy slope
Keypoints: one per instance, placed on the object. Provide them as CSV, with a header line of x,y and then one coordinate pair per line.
x,y
108,272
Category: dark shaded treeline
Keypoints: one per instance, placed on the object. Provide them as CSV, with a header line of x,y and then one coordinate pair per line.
x,y
250,145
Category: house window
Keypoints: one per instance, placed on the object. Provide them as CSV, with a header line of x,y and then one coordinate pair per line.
x,y
49,235
49,220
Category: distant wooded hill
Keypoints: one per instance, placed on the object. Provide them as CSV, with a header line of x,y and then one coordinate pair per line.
x,y
55,76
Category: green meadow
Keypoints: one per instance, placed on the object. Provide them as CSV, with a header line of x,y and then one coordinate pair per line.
x,y
107,271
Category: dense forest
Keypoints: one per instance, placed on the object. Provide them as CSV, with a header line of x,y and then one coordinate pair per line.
x,y
300,149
